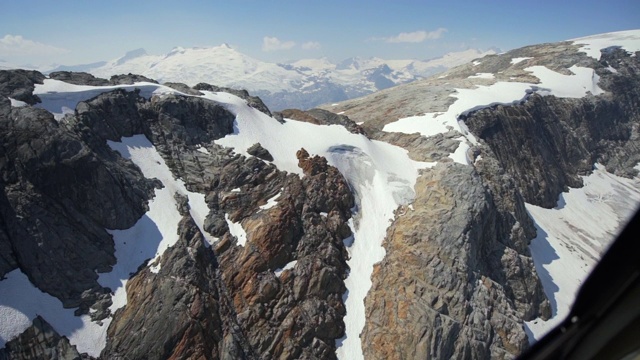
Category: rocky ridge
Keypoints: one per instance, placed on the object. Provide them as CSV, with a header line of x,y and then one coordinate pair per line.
x,y
461,298
228,295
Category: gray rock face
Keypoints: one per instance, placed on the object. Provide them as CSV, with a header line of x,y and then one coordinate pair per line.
x,y
253,101
51,183
40,341
182,88
547,143
198,319
258,151
129,79
190,120
19,85
110,116
78,78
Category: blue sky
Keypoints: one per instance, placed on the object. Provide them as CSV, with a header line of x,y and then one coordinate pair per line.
x,y
74,32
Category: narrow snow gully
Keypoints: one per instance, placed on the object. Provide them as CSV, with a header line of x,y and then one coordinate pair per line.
x,y
381,175
378,194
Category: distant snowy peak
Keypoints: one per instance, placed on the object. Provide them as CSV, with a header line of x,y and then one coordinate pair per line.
x,y
301,84
592,45
313,64
130,55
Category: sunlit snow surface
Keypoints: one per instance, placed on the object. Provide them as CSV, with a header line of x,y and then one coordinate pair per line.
x,y
573,235
158,228
591,45
519,60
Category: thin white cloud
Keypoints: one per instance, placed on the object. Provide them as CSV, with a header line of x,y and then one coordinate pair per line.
x,y
274,44
415,37
311,45
16,45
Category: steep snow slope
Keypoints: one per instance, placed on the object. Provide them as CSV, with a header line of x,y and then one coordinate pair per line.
x,y
572,237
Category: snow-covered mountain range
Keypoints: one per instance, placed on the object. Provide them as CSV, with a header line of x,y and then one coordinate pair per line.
x,y
451,217
301,84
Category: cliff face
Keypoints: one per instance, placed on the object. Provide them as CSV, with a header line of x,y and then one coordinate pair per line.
x,y
450,286
458,278
546,143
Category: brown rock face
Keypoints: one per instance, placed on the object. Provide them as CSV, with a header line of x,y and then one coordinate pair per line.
x,y
297,314
445,289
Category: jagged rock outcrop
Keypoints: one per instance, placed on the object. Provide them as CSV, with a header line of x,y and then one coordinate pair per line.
x,y
321,117
449,287
178,311
40,341
78,78
19,85
258,151
51,182
184,88
253,101
188,120
298,313
128,79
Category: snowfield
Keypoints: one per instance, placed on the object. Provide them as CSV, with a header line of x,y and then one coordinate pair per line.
x,y
224,66
591,45
573,235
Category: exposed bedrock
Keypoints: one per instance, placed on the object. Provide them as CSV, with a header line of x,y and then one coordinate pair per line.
x,y
63,185
449,287
58,196
40,341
